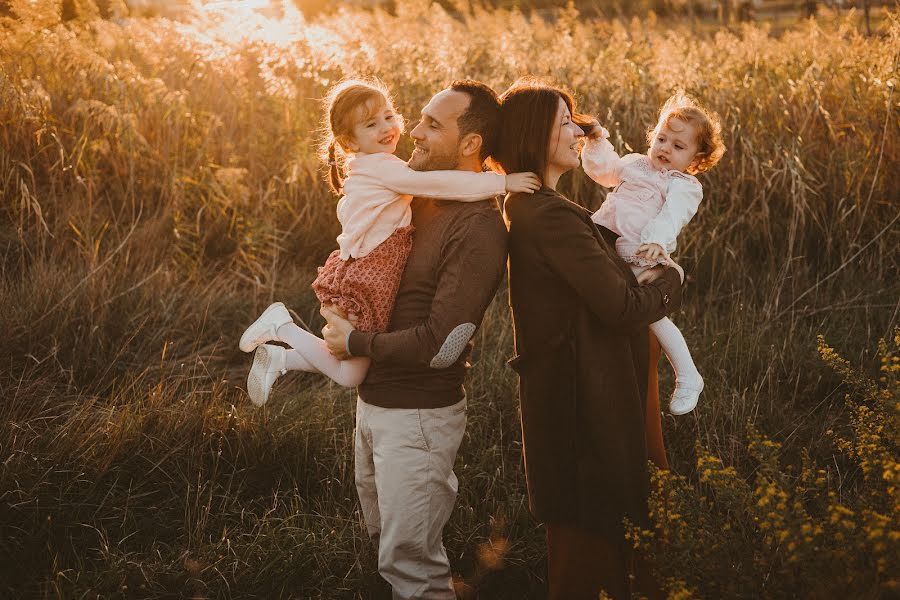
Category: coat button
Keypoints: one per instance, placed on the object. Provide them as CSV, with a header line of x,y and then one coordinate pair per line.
x,y
665,298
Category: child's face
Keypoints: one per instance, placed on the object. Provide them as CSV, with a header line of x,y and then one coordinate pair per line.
x,y
377,130
674,145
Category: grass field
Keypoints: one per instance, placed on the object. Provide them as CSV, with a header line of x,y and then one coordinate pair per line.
x,y
159,187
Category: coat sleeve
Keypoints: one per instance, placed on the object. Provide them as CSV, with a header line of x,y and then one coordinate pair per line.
x,y
398,177
569,247
682,200
601,163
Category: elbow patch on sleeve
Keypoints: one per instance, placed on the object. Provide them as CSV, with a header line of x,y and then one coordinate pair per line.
x,y
453,346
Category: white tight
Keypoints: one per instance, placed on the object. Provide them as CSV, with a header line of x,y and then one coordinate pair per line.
x,y
673,345
311,354
676,349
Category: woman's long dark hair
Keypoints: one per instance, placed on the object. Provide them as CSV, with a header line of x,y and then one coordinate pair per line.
x,y
528,116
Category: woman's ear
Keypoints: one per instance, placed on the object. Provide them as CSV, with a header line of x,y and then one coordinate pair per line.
x,y
471,144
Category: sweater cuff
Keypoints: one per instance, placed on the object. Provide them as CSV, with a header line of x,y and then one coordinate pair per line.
x,y
359,342
347,343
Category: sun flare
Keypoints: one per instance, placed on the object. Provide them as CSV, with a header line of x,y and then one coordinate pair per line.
x,y
232,23
224,30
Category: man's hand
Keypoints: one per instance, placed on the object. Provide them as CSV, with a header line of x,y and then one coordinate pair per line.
x,y
337,330
652,251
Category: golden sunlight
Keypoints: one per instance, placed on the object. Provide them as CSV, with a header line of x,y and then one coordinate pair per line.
x,y
231,23
222,30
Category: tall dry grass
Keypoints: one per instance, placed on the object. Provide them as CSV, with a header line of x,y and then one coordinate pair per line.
x,y
159,188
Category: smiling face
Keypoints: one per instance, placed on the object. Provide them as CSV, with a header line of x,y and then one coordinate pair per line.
x,y
377,128
436,137
674,145
564,143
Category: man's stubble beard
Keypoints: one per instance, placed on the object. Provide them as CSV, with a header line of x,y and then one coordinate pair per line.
x,y
436,162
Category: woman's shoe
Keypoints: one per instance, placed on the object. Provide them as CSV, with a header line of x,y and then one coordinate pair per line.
x,y
265,327
268,365
685,397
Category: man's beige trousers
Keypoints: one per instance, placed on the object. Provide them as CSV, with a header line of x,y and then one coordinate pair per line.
x,y
406,486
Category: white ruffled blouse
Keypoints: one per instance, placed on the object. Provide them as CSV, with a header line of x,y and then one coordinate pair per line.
x,y
648,206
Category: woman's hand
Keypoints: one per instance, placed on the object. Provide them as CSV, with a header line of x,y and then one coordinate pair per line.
x,y
522,182
651,274
657,271
652,251
677,267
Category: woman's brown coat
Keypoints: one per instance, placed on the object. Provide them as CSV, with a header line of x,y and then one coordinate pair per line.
x,y
581,326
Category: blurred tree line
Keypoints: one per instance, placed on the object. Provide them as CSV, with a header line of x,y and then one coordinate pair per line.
x,y
724,11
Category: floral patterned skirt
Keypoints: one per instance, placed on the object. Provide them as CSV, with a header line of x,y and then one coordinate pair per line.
x,y
366,286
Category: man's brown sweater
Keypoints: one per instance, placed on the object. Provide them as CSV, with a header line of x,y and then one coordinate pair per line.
x,y
455,266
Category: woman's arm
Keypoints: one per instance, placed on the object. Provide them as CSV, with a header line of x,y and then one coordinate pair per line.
x,y
682,201
568,245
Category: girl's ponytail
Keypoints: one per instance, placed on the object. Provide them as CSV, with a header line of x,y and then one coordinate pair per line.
x,y
334,171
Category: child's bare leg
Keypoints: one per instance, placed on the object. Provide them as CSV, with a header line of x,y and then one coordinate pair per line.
x,y
348,373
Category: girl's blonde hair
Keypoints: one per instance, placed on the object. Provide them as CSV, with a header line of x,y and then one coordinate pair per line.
x,y
346,104
710,146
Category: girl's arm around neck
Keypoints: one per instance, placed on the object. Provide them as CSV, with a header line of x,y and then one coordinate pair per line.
x,y
397,176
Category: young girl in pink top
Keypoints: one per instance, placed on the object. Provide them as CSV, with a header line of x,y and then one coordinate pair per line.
x,y
362,276
656,196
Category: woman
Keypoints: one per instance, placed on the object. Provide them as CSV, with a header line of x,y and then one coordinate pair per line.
x,y
581,333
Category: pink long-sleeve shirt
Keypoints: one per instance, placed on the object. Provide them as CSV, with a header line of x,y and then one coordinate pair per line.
x,y
378,191
648,206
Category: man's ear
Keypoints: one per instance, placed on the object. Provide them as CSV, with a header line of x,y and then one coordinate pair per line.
x,y
471,144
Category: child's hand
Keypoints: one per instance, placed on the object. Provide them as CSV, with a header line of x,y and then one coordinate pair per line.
x,y
522,182
595,131
652,251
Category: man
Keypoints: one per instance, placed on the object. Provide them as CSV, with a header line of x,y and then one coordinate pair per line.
x,y
411,412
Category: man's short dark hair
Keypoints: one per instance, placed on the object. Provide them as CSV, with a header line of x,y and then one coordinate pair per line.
x,y
482,116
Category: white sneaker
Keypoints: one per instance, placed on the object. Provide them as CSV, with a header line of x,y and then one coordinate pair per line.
x,y
265,327
685,397
268,365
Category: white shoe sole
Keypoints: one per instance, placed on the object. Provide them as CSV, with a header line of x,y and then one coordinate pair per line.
x,y
256,380
685,409
261,331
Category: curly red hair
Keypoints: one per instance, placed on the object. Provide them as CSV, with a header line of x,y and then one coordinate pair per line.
x,y
710,146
